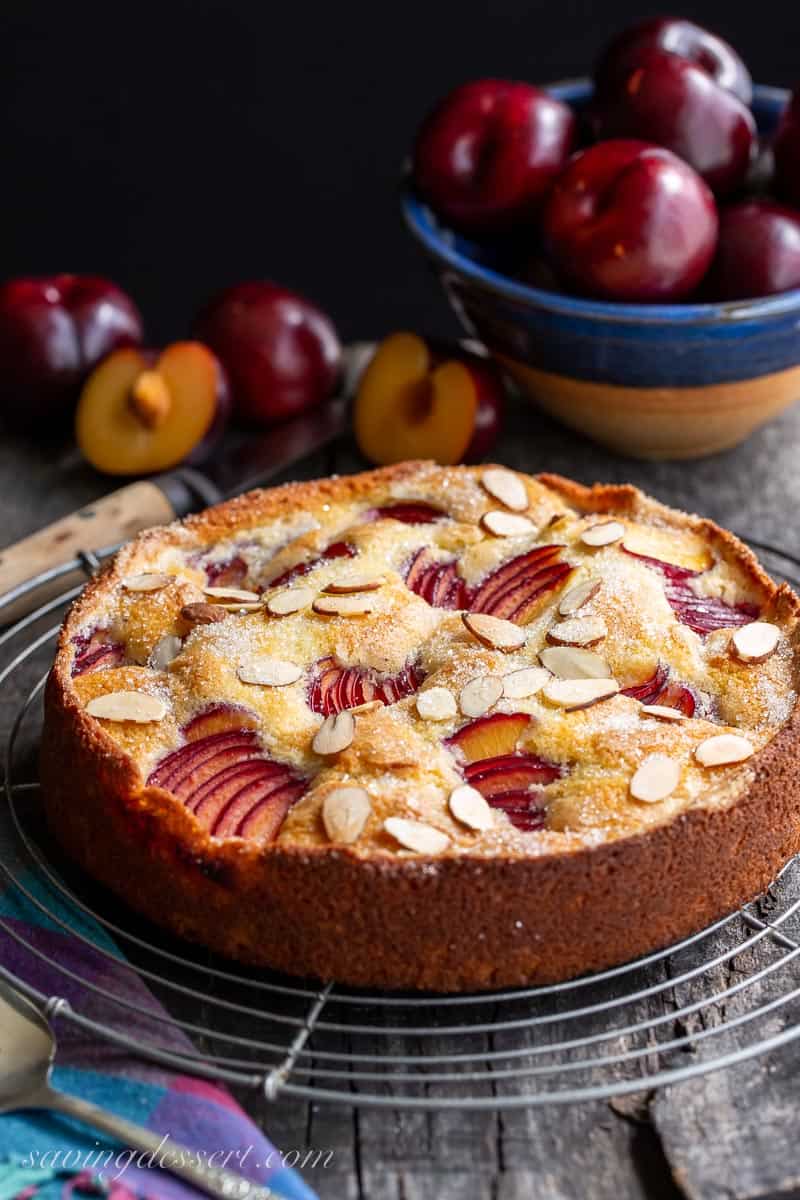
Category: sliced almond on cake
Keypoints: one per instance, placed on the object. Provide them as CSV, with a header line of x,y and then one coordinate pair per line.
x,y
359,605
436,704
203,614
354,583
603,534
148,581
231,595
663,712
335,733
572,662
416,835
345,812
527,681
578,631
478,696
573,694
494,632
165,650
506,487
470,808
723,749
127,706
655,779
269,672
575,598
754,643
500,523
288,601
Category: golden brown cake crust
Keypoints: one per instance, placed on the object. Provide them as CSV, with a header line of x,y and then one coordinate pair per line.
x,y
448,922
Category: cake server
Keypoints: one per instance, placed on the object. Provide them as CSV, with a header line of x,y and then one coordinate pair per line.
x,y
245,461
27,1051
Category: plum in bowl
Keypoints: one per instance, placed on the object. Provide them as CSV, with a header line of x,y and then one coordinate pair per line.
x,y
652,380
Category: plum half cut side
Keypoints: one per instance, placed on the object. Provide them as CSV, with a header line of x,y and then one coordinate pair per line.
x,y
436,581
334,551
703,614
333,687
660,689
96,651
409,512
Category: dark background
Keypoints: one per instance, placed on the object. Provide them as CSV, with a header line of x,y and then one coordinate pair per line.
x,y
181,146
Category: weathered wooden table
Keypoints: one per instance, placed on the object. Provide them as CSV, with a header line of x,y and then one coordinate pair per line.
x,y
731,1134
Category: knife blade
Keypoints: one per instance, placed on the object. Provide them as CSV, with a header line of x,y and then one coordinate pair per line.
x,y
29,574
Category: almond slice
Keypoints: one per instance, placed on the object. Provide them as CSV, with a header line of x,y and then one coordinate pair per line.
x,y
288,601
754,643
663,712
506,487
232,595
494,632
165,650
367,707
359,605
335,733
579,595
269,672
506,524
518,685
655,779
127,706
603,534
416,835
203,614
345,812
436,704
571,662
354,583
722,749
578,631
470,808
478,696
148,581
573,694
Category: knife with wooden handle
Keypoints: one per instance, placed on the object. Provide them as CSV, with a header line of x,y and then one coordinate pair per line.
x,y
248,461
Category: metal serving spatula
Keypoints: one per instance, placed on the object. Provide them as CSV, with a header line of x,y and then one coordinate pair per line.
x,y
27,1051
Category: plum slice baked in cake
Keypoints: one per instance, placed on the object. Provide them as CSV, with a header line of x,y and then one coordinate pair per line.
x,y
444,728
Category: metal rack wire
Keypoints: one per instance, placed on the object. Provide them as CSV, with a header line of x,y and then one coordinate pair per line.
x,y
715,999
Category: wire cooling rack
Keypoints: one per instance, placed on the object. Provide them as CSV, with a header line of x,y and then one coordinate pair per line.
x,y
715,999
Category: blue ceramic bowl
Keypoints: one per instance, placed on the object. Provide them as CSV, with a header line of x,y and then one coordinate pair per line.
x,y
649,380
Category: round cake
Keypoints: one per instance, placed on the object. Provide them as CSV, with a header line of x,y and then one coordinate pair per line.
x,y
425,727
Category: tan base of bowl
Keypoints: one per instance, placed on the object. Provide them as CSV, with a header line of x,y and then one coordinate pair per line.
x,y
661,422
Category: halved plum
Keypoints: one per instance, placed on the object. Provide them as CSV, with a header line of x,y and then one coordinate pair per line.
x,y
438,582
703,614
334,687
508,778
658,689
488,737
410,512
96,651
223,776
335,550
514,590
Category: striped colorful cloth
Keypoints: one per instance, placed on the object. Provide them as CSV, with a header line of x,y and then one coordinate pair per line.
x,y
48,1156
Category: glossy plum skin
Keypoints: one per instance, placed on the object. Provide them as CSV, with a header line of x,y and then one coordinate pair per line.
x,y
668,100
787,153
758,253
53,332
628,221
282,353
686,40
485,156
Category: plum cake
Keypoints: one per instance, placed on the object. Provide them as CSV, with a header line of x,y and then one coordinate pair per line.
x,y
425,727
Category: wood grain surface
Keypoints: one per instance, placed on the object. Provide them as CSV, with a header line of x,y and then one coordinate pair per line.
x,y
730,1135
